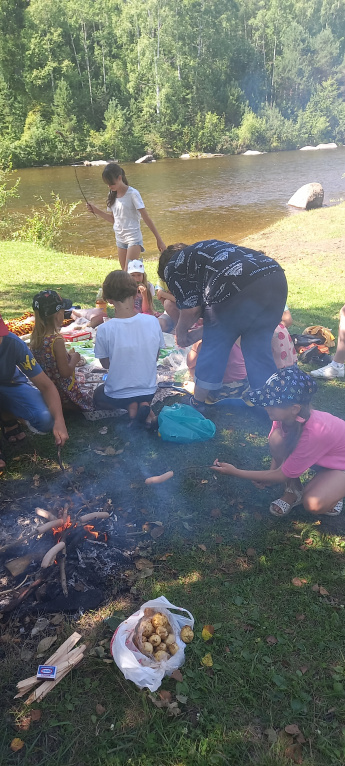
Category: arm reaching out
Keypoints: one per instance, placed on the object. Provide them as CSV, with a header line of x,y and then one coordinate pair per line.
x,y
273,476
97,211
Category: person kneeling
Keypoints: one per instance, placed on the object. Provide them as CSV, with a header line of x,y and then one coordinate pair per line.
x,y
300,439
128,346
26,393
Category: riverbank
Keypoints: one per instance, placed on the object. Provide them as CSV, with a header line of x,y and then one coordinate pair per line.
x,y
277,653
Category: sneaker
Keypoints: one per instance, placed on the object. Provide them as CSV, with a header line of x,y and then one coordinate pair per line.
x,y
337,509
200,406
332,370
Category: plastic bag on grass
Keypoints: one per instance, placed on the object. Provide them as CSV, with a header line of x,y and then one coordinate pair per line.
x,y
134,665
182,424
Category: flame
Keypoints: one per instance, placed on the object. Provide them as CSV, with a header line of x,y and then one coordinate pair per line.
x,y
63,526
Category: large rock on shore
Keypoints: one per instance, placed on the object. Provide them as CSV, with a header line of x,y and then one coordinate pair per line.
x,y
146,158
308,197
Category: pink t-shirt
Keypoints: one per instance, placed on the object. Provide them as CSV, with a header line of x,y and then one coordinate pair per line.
x,y
322,442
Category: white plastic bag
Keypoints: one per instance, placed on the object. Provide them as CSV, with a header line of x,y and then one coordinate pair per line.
x,y
134,665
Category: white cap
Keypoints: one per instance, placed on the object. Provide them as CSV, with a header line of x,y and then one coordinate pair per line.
x,y
135,266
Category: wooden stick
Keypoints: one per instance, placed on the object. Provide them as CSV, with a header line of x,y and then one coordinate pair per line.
x,y
47,686
53,660
63,577
26,686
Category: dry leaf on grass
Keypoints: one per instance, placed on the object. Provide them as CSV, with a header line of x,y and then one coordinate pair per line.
x,y
165,557
110,451
315,588
103,430
172,707
218,539
177,675
44,645
207,632
323,591
292,729
202,547
298,582
304,669
207,661
271,735
216,513
300,617
36,714
157,532
271,640
251,552
143,564
100,709
16,744
57,619
294,752
165,695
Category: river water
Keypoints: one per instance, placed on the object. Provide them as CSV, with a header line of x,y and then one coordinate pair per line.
x,y
225,197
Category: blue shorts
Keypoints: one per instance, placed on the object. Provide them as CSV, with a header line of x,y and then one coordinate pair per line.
x,y
25,401
125,246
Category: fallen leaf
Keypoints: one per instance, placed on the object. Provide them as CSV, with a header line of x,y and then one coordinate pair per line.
x,y
26,654
143,564
309,541
44,645
271,640
157,532
247,628
36,714
57,619
16,744
292,729
177,675
301,739
216,513
172,707
218,539
315,588
271,735
103,430
165,695
207,632
298,582
147,572
251,552
165,557
24,723
100,709
227,650
40,624
300,617
187,526
118,452
207,661
323,591
182,698
202,547
294,752
109,451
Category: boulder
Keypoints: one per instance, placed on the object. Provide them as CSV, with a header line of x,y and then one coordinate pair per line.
x,y
146,158
184,156
326,146
251,152
308,149
308,197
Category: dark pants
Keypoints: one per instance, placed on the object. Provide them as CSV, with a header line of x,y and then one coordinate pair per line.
x,y
103,402
253,314
25,401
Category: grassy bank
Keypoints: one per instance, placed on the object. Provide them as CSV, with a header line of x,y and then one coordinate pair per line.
x,y
278,648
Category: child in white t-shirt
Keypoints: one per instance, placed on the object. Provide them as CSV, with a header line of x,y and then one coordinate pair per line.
x,y
125,210
128,346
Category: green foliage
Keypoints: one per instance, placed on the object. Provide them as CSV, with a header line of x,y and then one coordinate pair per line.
x,y
46,225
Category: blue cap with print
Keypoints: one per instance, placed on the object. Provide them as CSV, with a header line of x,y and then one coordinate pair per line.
x,y
285,387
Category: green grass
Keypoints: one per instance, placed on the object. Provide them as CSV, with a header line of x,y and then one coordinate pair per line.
x,y
254,685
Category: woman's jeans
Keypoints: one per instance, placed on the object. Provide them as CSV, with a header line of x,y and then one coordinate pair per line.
x,y
25,401
253,314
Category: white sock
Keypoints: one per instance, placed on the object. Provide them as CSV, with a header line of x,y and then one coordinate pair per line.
x,y
337,364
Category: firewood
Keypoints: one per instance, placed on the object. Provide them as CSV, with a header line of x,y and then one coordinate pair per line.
x,y
62,565
55,658
20,564
50,557
47,686
96,515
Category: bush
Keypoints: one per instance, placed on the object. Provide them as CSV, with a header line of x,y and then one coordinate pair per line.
x,y
46,225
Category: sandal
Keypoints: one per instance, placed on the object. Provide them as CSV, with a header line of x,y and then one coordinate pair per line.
x,y
283,505
15,429
336,510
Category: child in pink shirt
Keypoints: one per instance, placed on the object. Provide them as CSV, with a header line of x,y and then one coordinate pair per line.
x,y
300,438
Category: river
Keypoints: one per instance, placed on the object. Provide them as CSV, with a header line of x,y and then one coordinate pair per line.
x,y
225,197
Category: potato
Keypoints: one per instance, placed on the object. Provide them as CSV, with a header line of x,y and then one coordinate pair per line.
x,y
173,648
162,632
147,628
163,647
159,619
162,656
147,647
170,639
186,634
155,640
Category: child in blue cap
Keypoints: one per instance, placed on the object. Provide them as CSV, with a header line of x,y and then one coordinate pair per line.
x,y
300,438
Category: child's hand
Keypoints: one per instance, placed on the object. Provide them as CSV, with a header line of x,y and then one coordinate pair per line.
x,y
142,289
160,244
90,207
225,468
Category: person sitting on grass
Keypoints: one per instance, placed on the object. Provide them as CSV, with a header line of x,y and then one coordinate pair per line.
x,y
26,393
128,346
143,301
335,369
50,351
300,439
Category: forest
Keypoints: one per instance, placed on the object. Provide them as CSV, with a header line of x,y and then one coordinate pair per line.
x,y
114,79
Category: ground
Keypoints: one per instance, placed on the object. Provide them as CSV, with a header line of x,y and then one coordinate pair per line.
x,y
277,650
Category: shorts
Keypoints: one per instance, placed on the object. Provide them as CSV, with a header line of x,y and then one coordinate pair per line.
x,y
101,401
125,246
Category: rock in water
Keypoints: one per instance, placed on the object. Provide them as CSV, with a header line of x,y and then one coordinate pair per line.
x,y
146,158
308,197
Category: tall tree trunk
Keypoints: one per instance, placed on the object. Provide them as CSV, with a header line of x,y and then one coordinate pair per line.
x,y
75,55
87,61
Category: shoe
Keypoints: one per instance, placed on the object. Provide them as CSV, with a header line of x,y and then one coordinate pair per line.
x,y
332,370
200,406
283,505
228,391
337,509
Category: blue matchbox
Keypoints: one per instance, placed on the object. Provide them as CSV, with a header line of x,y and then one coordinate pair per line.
x,y
47,672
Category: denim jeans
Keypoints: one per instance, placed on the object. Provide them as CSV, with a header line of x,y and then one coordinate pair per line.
x,y
253,314
25,401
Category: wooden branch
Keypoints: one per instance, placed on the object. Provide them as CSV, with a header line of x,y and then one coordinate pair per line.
x,y
27,684
62,565
47,686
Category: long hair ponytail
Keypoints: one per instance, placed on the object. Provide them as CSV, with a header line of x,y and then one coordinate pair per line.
x,y
38,333
111,173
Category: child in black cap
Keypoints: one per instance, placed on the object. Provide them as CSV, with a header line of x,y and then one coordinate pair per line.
x,y
300,438
50,351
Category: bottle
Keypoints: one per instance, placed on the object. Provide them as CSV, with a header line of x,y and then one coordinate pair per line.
x,y
100,302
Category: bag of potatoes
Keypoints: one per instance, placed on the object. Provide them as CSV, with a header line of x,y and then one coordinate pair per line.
x,y
148,645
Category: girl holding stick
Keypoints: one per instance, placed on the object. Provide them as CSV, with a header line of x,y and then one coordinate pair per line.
x,y
300,438
125,209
